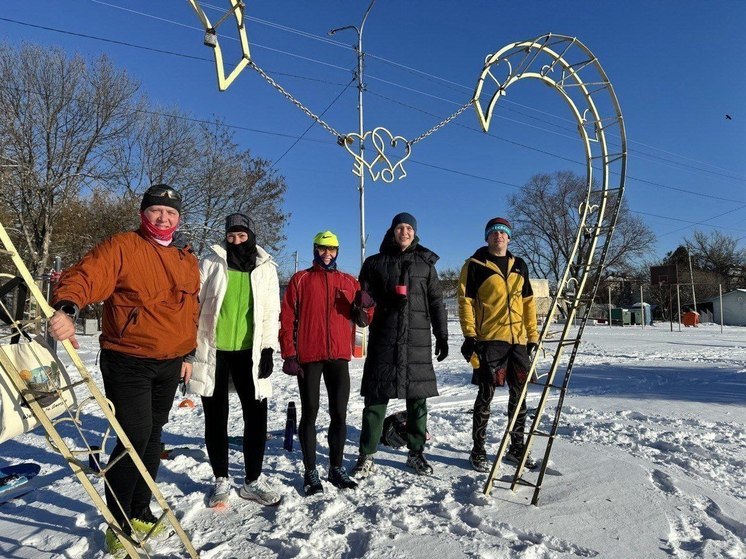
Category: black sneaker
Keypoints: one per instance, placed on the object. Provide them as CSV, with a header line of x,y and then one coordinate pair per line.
x,y
513,456
312,483
416,461
478,461
339,478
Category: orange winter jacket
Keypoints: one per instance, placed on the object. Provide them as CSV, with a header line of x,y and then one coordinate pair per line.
x,y
149,292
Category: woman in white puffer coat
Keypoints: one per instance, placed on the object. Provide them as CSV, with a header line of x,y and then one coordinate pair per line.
x,y
237,336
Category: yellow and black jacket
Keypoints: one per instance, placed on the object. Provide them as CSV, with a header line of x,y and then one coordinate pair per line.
x,y
495,308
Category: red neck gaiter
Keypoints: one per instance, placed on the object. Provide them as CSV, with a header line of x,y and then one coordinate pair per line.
x,y
153,231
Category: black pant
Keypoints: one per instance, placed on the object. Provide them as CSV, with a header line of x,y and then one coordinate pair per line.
x,y
238,365
482,414
142,391
337,380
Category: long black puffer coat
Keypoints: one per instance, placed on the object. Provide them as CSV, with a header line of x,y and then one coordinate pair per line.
x,y
400,357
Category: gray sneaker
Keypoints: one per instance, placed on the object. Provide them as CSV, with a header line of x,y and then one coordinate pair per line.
x,y
364,466
478,461
261,492
416,460
220,493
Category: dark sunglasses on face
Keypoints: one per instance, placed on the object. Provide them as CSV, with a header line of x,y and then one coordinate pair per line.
x,y
163,191
326,248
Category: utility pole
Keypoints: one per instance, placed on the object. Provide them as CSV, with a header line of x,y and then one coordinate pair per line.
x,y
296,261
691,275
361,128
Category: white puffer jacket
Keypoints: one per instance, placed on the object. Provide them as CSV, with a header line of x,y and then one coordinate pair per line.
x,y
265,290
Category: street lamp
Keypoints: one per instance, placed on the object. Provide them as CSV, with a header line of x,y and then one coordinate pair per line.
x,y
361,129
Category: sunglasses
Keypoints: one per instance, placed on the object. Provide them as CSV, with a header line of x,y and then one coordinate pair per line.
x,y
163,191
326,248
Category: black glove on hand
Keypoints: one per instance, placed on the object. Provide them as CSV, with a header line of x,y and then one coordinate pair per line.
x,y
531,349
363,300
468,347
292,367
441,348
265,362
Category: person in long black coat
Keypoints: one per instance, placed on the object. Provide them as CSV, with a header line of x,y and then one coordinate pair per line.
x,y
404,284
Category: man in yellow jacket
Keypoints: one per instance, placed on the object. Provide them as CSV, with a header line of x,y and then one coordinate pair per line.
x,y
498,319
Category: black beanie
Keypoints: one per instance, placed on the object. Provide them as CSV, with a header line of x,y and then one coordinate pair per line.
x,y
161,195
404,217
239,222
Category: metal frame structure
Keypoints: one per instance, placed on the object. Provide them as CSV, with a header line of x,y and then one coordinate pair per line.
x,y
570,68
566,65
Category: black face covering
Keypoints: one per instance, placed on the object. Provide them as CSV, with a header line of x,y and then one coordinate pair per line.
x,y
242,257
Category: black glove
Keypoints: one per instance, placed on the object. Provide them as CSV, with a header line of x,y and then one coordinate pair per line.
x,y
265,362
531,349
468,347
363,300
292,367
441,348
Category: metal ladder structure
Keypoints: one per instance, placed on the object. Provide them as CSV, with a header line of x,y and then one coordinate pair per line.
x,y
566,65
81,468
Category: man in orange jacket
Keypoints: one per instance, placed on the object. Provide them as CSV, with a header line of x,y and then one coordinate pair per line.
x,y
149,282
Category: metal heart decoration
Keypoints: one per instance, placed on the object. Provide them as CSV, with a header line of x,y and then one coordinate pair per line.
x,y
211,40
380,138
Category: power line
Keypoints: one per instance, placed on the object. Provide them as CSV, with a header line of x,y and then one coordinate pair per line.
x,y
581,163
410,69
254,130
655,158
299,138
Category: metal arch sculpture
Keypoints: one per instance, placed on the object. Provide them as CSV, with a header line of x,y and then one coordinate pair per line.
x,y
570,68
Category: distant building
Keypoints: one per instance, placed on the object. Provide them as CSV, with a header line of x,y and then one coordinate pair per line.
x,y
734,308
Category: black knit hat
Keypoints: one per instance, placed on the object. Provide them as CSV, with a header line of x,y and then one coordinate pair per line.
x,y
404,217
239,222
161,195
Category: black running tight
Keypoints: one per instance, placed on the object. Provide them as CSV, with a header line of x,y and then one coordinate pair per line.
x,y
337,380
482,414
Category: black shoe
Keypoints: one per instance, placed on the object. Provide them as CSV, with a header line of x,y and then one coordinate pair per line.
x,y
417,462
514,454
478,461
339,478
312,483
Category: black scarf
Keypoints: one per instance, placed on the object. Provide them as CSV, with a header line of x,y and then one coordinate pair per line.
x,y
242,257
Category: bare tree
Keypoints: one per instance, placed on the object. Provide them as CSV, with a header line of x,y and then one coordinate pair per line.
x,y
59,116
449,279
214,176
546,218
225,179
82,223
718,254
161,148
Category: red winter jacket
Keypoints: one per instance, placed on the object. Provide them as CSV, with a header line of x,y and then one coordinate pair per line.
x,y
315,317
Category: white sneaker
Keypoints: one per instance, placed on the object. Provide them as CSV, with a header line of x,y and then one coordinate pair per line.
x,y
220,493
261,492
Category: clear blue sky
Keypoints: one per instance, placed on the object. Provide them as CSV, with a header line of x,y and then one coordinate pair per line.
x,y
677,67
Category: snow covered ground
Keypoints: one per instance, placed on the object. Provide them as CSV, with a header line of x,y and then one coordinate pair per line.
x,y
650,463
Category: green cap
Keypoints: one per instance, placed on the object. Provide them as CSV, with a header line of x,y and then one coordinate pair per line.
x,y
326,239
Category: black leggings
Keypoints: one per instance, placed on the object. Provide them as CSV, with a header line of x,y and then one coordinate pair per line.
x,y
238,365
142,391
337,380
482,414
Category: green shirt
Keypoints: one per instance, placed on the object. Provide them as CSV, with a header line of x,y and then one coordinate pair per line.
x,y
235,327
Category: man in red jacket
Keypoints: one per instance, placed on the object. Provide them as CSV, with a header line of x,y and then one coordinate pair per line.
x,y
316,330
149,282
